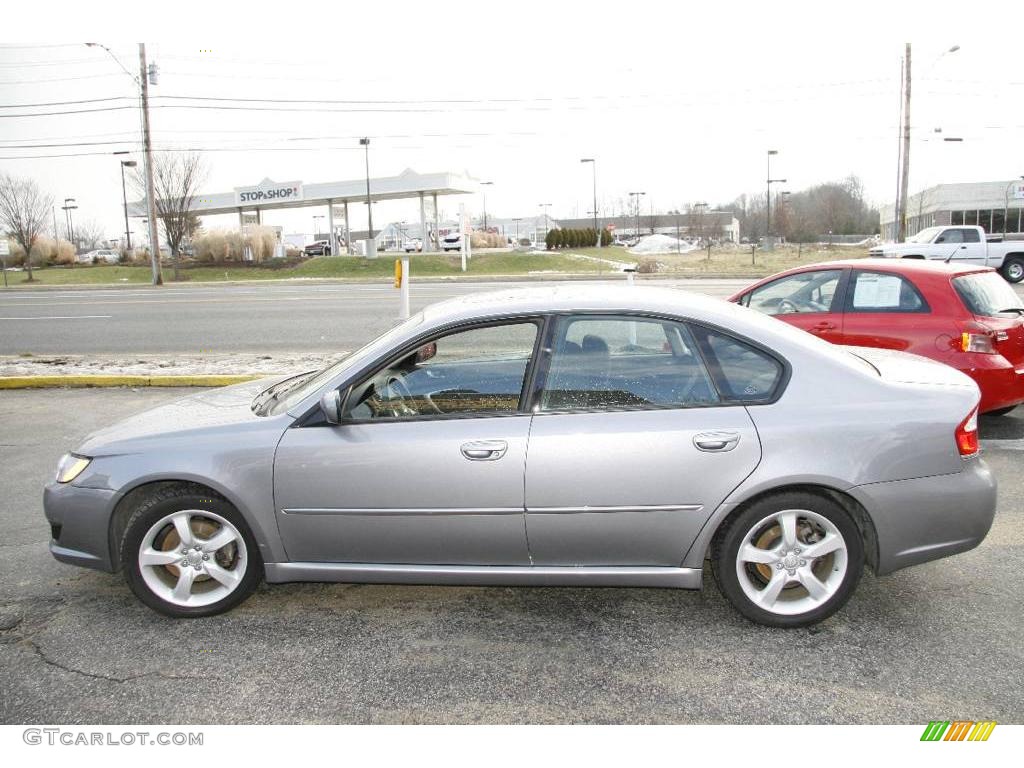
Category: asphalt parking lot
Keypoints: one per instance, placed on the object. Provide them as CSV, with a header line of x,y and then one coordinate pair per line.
x,y
940,641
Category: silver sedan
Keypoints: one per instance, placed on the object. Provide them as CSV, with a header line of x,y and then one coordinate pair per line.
x,y
583,436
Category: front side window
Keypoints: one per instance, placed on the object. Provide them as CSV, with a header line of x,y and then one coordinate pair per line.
x,y
951,236
612,363
881,292
474,372
800,293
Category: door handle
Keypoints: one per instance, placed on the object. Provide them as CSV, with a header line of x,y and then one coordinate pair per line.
x,y
824,325
716,441
484,450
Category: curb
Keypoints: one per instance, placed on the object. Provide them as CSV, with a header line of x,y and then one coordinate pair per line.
x,y
200,380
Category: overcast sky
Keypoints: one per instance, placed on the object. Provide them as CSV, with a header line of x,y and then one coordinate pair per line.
x,y
677,101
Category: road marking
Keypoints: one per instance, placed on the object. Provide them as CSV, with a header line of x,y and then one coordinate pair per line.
x,y
61,317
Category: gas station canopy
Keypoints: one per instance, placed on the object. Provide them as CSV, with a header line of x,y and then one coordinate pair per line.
x,y
269,194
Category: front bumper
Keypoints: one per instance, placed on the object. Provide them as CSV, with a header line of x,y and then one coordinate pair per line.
x,y
79,524
928,518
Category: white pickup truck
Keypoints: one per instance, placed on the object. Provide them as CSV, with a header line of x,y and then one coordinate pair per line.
x,y
967,245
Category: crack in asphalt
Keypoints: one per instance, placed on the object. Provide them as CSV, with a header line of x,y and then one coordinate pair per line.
x,y
34,646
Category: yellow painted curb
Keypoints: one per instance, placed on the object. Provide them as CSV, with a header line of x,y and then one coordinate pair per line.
x,y
199,380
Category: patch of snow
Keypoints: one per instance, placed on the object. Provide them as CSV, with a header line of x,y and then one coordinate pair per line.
x,y
653,244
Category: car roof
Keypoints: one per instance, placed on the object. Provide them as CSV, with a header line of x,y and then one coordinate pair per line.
x,y
907,266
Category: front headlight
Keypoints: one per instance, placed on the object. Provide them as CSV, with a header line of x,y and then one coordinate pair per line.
x,y
70,466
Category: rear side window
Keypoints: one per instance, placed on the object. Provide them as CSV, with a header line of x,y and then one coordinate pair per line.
x,y
986,294
743,373
883,292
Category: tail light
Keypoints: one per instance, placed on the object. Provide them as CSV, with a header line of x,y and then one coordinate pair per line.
x,y
979,338
967,434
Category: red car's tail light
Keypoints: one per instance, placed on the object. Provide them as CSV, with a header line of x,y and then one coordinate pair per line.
x,y
967,434
977,342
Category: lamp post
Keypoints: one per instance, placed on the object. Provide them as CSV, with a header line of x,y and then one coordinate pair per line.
x,y
517,230
544,207
124,199
769,245
484,193
70,221
636,207
365,143
593,168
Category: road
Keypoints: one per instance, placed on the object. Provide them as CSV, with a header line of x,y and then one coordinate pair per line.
x,y
939,641
305,317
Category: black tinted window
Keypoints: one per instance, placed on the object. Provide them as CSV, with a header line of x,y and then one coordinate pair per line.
x,y
742,372
623,362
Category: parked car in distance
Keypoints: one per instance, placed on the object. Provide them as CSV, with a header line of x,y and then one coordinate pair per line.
x,y
964,316
103,255
570,436
318,248
963,245
412,246
451,242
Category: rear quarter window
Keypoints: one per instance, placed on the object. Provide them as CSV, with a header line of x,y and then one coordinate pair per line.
x,y
742,372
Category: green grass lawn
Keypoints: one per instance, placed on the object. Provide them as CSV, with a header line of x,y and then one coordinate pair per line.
x,y
596,261
433,265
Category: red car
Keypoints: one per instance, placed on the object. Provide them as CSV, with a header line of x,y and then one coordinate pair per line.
x,y
967,317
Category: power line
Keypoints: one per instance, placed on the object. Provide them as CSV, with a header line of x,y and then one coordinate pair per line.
x,y
64,103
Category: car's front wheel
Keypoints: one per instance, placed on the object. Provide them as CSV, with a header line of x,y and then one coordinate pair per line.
x,y
189,554
789,560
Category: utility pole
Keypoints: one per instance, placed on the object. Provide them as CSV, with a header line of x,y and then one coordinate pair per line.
x,y
154,232
371,244
901,219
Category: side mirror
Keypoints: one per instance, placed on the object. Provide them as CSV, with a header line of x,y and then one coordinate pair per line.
x,y
426,352
333,405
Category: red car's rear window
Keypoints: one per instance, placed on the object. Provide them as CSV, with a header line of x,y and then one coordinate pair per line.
x,y
987,294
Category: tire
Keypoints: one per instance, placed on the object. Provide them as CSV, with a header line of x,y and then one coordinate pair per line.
x,y
999,411
770,589
1013,269
217,578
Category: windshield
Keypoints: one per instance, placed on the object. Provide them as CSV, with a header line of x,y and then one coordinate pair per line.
x,y
987,294
304,388
925,235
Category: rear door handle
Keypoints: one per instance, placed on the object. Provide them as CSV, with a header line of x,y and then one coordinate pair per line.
x,y
484,450
717,442
824,325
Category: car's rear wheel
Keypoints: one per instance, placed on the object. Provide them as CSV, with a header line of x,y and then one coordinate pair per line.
x,y
789,560
1013,269
189,554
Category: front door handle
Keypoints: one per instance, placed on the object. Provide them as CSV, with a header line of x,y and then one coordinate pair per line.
x,y
717,442
484,450
824,325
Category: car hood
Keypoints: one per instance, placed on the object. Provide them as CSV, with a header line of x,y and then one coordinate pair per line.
x,y
213,411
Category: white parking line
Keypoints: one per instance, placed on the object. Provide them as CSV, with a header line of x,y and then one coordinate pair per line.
x,y
61,317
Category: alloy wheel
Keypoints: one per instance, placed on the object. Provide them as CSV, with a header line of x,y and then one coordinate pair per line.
x,y
791,562
192,558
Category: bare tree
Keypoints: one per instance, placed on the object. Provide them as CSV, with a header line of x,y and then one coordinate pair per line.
x,y
24,210
176,181
89,233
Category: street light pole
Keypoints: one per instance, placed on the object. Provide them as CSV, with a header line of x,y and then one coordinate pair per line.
x,y
545,207
636,203
593,168
70,220
484,193
370,243
517,230
124,198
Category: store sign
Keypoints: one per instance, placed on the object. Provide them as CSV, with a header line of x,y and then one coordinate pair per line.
x,y
268,191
